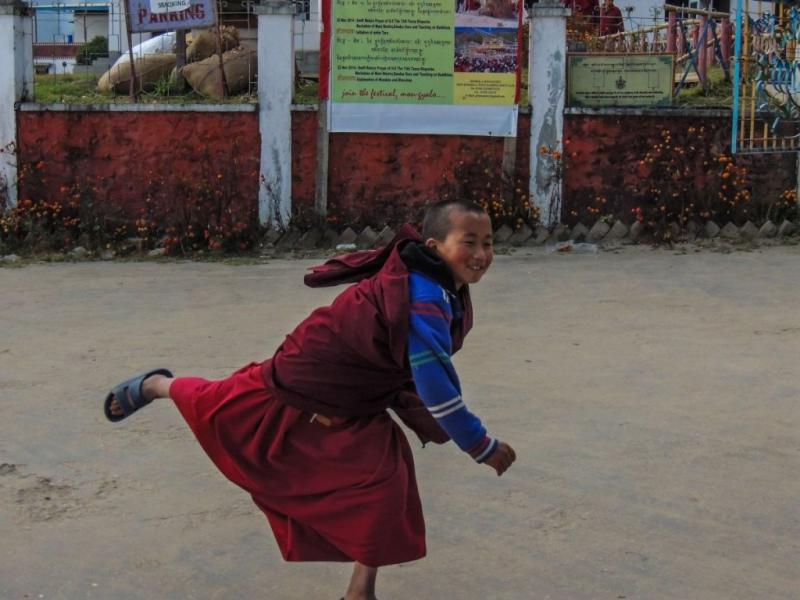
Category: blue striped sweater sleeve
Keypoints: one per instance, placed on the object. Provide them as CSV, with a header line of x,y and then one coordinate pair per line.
x,y
429,352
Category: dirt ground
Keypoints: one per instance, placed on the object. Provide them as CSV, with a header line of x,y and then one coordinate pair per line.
x,y
651,396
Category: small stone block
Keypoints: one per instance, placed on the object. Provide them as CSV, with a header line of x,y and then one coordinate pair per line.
x,y
10,258
329,238
272,236
348,236
385,236
107,254
579,232
310,239
693,228
617,231
748,231
711,229
288,239
674,230
136,242
786,228
729,232
687,233
79,252
503,234
598,231
366,238
560,233
520,236
768,230
636,230
539,237
157,252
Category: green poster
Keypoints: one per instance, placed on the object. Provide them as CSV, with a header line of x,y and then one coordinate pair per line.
x,y
393,51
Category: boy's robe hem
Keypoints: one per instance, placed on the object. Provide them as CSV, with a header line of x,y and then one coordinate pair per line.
x,y
345,492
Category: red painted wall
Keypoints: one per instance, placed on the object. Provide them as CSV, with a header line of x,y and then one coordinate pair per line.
x,y
162,162
125,160
376,179
606,167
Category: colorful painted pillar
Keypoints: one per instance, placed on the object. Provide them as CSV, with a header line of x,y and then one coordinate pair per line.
x,y
547,83
275,93
16,85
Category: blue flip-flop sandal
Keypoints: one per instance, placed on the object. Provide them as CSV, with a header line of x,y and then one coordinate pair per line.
x,y
129,395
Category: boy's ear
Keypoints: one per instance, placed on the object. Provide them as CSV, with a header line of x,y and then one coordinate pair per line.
x,y
431,243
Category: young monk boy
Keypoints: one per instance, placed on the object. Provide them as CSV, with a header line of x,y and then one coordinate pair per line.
x,y
307,432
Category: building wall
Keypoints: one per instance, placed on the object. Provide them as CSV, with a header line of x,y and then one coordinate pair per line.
x,y
53,25
307,31
89,26
641,12
58,66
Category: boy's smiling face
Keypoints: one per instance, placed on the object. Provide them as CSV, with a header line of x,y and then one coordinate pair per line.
x,y
467,248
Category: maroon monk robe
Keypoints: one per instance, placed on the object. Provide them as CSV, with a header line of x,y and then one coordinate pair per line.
x,y
342,492
350,358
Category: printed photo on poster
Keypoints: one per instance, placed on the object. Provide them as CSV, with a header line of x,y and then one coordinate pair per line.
x,y
487,13
486,50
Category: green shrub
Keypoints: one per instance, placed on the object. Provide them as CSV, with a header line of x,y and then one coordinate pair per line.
x,y
97,48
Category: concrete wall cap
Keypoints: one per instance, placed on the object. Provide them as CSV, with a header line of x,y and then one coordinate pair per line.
x,y
140,107
549,10
650,112
275,7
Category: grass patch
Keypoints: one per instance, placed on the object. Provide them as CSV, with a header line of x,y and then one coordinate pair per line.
x,y
80,88
719,93
72,88
306,91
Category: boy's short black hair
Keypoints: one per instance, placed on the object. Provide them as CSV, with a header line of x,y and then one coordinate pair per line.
x,y
436,224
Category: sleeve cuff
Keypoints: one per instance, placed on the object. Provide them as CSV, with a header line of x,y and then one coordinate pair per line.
x,y
482,451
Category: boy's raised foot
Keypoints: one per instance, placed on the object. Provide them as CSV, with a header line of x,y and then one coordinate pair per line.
x,y
137,392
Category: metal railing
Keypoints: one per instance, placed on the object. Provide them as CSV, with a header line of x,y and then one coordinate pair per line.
x,y
698,39
81,55
766,86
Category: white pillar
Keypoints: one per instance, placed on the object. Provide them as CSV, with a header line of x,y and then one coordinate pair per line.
x,y
547,84
275,92
16,85
117,38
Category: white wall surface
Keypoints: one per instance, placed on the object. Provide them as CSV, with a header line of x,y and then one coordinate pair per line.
x,y
88,26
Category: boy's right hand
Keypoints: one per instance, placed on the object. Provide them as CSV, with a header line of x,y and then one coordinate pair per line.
x,y
502,458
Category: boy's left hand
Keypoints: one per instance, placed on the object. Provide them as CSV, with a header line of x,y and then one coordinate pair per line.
x,y
502,458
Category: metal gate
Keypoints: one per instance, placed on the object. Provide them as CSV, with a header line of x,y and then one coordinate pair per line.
x,y
766,91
